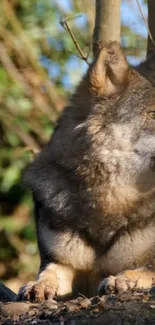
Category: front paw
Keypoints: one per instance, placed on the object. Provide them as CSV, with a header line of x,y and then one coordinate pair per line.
x,y
37,291
116,284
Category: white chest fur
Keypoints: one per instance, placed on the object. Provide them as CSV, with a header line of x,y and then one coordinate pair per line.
x,y
129,251
69,249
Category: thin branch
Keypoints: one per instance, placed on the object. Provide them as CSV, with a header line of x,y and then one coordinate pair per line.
x,y
33,150
78,56
82,55
71,18
12,71
28,46
146,23
26,138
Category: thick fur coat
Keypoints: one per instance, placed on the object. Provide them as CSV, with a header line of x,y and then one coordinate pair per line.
x,y
94,186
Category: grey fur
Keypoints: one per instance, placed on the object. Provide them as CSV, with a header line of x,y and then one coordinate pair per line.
x,y
94,183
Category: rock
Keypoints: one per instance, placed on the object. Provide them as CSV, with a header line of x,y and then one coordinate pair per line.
x,y
152,306
14,309
95,300
50,304
85,303
102,303
152,291
72,306
6,294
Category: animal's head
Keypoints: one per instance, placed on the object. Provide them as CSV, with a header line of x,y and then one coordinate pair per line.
x,y
121,121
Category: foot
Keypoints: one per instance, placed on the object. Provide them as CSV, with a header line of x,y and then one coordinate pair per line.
x,y
115,284
132,279
38,291
55,281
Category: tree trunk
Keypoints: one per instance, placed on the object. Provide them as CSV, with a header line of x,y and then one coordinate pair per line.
x,y
151,23
107,21
147,68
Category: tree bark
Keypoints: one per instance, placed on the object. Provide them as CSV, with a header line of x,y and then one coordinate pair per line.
x,y
151,23
107,21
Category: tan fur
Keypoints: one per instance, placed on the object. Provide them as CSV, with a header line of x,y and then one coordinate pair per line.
x,y
94,186
69,249
130,250
56,279
142,278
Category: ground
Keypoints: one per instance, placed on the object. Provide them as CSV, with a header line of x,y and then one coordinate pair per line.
x,y
136,308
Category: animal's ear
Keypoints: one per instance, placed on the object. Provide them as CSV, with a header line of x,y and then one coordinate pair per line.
x,y
109,73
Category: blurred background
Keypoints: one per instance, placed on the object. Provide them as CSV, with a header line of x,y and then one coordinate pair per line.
x,y
39,69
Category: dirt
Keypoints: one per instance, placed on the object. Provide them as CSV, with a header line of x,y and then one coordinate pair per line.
x,y
136,308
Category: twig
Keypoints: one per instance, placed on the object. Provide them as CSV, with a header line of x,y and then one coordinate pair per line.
x,y
8,119
82,55
33,151
78,56
28,46
15,75
83,296
146,23
24,137
12,71
71,18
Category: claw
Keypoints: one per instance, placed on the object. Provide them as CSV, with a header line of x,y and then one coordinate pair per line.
x,y
35,291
